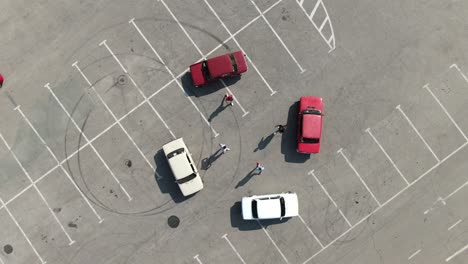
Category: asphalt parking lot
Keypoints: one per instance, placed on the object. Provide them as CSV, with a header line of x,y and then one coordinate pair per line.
x,y
93,89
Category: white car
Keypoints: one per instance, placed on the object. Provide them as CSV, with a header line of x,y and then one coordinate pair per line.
x,y
183,167
270,206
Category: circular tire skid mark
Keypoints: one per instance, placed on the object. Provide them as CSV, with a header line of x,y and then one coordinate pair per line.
x,y
119,80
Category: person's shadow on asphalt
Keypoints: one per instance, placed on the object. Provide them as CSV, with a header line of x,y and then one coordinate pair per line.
x,y
248,177
264,142
218,110
206,162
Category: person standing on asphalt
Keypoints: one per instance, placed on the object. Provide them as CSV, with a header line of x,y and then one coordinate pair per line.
x,y
280,129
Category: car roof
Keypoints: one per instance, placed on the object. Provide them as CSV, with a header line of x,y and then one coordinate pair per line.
x,y
311,125
220,65
270,208
180,166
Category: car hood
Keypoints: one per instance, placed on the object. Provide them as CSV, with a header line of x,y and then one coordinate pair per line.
x,y
192,186
196,72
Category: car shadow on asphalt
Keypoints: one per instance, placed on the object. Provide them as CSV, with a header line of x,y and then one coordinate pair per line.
x,y
248,225
166,180
288,138
208,88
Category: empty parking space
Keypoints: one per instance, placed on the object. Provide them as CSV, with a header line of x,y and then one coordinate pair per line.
x,y
12,176
319,212
451,89
376,168
345,187
12,236
90,116
434,125
254,246
182,117
293,239
147,131
39,225
132,171
233,14
77,218
200,24
404,146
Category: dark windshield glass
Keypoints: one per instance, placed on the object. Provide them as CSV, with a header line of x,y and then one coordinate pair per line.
x,y
283,207
233,61
310,140
187,179
254,209
311,112
205,71
175,152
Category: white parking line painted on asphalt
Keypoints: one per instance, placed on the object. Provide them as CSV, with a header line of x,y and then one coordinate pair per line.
x,y
273,242
233,248
458,189
71,241
88,143
331,40
278,37
329,197
22,231
387,202
237,43
414,254
386,155
454,225
104,42
58,162
75,64
201,54
198,259
310,230
458,69
417,132
426,86
456,253
132,21
47,85
359,176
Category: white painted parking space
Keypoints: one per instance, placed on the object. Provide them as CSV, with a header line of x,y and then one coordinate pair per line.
x,y
75,64
233,248
238,45
7,229
458,252
61,166
254,246
342,182
451,91
70,240
293,238
376,169
173,76
197,258
104,43
403,146
88,141
302,70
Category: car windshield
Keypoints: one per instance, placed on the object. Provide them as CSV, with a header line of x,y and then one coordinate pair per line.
x,y
175,152
312,111
187,179
254,209
310,140
233,61
205,70
283,207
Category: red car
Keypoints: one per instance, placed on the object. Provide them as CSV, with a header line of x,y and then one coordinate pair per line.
x,y
309,129
224,66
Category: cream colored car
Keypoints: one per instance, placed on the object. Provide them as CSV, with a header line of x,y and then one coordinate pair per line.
x,y
183,167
